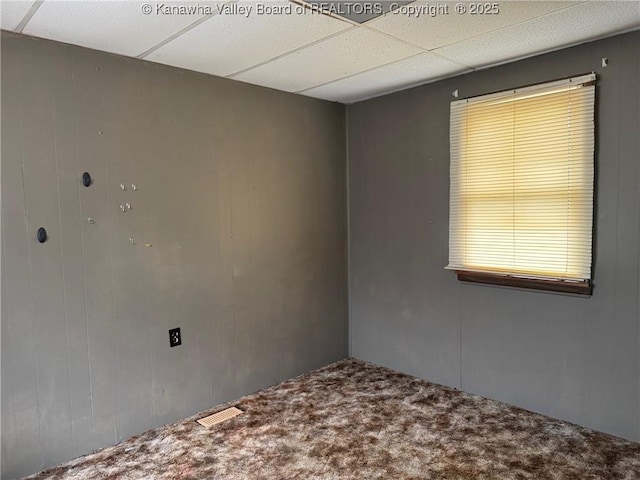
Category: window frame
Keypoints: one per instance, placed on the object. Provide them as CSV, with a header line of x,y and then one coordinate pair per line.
x,y
523,280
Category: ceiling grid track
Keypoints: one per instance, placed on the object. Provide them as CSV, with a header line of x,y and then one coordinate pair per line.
x,y
181,32
29,15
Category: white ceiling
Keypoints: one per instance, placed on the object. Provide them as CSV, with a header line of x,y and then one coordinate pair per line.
x,y
321,55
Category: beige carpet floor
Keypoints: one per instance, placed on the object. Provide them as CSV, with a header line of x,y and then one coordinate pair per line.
x,y
356,421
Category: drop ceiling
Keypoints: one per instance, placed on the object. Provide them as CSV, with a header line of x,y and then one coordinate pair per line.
x,y
338,51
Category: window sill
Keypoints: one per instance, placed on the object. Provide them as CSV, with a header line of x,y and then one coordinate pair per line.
x,y
578,288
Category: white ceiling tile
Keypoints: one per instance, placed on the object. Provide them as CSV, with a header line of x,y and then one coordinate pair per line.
x,y
112,26
413,23
12,12
351,52
396,76
579,23
231,42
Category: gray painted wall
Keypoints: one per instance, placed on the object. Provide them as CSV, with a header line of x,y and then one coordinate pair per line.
x,y
572,358
242,195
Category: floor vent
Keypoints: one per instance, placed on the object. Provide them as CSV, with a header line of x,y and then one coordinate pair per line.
x,y
220,417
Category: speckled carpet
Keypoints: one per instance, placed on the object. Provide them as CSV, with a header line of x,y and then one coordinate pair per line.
x,y
354,420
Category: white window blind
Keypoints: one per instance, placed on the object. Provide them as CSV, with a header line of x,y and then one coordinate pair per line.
x,y
521,198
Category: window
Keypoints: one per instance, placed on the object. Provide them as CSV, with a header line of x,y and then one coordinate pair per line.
x,y
521,198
